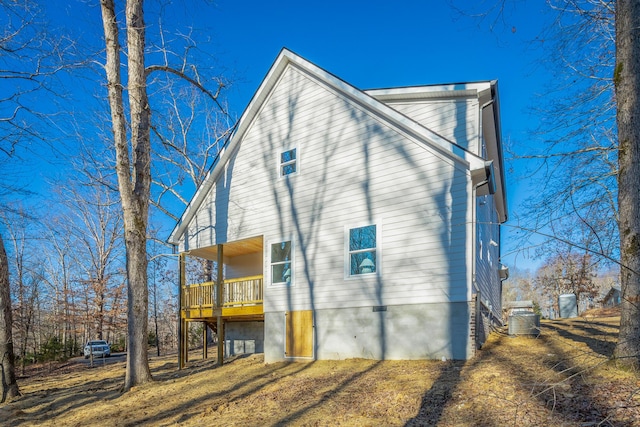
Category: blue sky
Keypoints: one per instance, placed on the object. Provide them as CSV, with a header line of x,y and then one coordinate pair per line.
x,y
378,44
369,44
373,44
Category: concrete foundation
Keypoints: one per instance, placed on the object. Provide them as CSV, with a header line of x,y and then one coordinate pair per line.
x,y
426,331
243,338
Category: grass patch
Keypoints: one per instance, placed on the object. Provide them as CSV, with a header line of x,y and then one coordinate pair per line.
x,y
564,377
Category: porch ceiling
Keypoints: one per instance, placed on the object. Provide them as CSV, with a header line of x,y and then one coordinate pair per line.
x,y
230,249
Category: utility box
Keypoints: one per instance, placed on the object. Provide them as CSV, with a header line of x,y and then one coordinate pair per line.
x,y
568,306
524,324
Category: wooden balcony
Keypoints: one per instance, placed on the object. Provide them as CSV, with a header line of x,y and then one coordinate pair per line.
x,y
241,300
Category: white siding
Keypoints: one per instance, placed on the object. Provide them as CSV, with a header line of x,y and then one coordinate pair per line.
x,y
353,169
487,254
243,266
455,119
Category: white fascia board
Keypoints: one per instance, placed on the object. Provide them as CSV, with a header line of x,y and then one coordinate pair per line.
x,y
456,90
490,115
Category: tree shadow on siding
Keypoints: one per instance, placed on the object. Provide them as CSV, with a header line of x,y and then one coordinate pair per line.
x,y
448,224
307,112
301,210
215,229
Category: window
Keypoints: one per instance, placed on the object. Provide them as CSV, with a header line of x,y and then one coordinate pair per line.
x,y
288,162
362,250
281,263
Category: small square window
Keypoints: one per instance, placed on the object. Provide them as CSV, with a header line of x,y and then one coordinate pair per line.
x,y
363,250
281,263
288,163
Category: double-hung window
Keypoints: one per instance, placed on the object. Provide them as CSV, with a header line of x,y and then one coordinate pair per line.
x,y
288,162
362,253
281,257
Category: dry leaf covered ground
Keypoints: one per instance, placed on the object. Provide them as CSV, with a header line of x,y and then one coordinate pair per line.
x,y
562,378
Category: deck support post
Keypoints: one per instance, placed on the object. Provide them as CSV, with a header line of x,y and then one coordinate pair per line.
x,y
185,342
181,321
219,303
204,340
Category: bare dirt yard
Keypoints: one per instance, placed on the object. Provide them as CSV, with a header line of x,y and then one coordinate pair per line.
x,y
564,377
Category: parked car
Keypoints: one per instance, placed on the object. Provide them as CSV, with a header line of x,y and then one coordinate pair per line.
x,y
98,348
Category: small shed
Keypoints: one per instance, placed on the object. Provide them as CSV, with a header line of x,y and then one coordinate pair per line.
x,y
612,298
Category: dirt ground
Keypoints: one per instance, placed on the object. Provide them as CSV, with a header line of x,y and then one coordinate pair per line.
x,y
564,377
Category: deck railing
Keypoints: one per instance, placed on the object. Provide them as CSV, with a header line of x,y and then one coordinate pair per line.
x,y
235,292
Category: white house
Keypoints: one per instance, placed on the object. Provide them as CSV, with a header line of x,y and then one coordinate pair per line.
x,y
351,223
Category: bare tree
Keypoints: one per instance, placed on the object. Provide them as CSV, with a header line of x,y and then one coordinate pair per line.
x,y
627,83
97,228
134,172
567,272
575,159
26,282
30,59
591,159
594,140
85,234
190,129
21,41
13,46
521,286
133,161
10,387
58,274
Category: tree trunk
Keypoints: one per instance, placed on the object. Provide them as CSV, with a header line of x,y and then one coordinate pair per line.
x,y
10,388
134,176
627,84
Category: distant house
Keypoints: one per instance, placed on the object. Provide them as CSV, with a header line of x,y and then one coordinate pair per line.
x,y
351,223
612,298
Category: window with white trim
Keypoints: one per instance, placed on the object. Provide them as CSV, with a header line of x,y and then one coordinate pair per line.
x,y
362,250
281,263
288,162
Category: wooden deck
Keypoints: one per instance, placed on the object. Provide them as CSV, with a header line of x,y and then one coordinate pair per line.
x,y
241,300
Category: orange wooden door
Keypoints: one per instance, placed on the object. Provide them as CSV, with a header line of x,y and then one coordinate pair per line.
x,y
299,334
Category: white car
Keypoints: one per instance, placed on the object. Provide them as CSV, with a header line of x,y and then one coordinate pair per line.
x,y
98,348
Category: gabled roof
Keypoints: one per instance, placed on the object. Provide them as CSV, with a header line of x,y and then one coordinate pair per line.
x,y
366,99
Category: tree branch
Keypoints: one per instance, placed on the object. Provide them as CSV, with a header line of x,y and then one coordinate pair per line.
x,y
182,75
